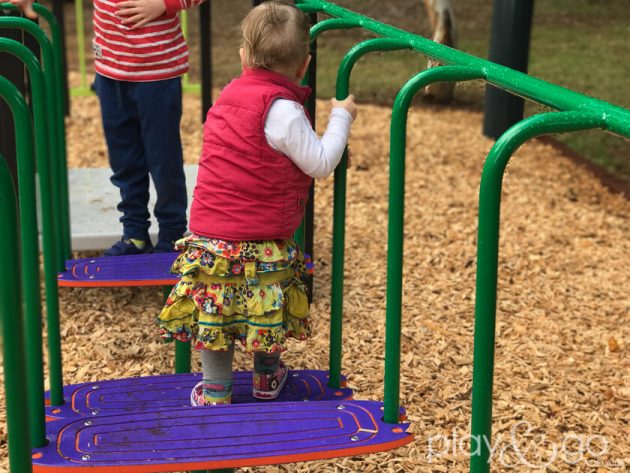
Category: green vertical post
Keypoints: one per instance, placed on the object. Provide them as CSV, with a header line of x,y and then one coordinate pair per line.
x,y
12,328
339,207
34,361
182,357
395,227
298,236
488,262
183,18
58,168
54,335
28,214
338,229
78,16
60,135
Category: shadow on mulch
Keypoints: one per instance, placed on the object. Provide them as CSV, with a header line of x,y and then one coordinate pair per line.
x,y
616,185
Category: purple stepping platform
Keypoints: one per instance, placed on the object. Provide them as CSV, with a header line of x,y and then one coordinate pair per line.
x,y
151,393
137,270
218,437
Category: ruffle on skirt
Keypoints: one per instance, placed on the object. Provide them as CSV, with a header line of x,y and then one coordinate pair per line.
x,y
247,291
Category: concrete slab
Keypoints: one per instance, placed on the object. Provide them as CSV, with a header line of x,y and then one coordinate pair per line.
x,y
93,215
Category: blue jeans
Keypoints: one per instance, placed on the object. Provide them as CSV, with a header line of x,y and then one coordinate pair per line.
x,y
141,123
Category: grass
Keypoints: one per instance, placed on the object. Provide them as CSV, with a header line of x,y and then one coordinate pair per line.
x,y
579,44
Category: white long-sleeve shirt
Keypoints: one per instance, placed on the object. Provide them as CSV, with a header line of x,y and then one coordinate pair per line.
x,y
289,131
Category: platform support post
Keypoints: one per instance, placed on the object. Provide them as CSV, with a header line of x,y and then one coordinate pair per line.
x,y
509,46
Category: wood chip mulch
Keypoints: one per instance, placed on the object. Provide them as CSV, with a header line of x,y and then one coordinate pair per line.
x,y
563,331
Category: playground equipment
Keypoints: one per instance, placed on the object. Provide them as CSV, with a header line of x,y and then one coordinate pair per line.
x,y
349,427
156,409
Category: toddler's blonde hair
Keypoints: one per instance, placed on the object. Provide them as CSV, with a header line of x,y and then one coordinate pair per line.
x,y
276,37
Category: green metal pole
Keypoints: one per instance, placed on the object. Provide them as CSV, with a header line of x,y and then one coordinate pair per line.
x,y
183,20
487,263
298,236
396,222
28,216
59,166
182,357
333,24
54,334
12,328
335,349
60,137
34,344
339,207
78,15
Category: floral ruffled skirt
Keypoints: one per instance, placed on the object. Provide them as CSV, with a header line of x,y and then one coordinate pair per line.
x,y
247,291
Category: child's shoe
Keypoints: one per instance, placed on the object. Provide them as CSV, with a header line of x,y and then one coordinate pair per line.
x,y
268,386
126,247
198,399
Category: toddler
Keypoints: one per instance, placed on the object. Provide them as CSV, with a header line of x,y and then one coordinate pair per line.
x,y
240,268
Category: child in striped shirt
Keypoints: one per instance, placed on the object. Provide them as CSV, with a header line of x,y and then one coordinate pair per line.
x,y
140,55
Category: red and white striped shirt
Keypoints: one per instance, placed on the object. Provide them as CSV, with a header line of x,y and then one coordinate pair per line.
x,y
154,51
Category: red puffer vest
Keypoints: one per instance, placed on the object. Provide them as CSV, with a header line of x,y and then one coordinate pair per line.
x,y
245,189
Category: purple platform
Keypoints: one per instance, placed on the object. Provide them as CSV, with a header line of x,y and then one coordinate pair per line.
x,y
151,393
194,438
138,270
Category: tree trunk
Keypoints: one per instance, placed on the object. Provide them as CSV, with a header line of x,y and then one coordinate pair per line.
x,y
443,26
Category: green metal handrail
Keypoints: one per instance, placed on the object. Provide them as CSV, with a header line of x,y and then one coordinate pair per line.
x,y
35,368
83,90
54,336
333,24
488,256
12,325
60,137
27,204
315,31
56,118
395,227
339,205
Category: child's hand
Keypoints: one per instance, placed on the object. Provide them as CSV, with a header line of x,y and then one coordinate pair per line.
x,y
26,6
140,12
347,104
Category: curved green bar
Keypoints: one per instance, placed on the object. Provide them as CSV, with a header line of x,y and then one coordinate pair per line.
x,y
339,208
488,256
28,207
307,8
55,114
551,95
315,31
395,226
54,336
34,336
55,32
12,331
78,14
357,52
333,24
